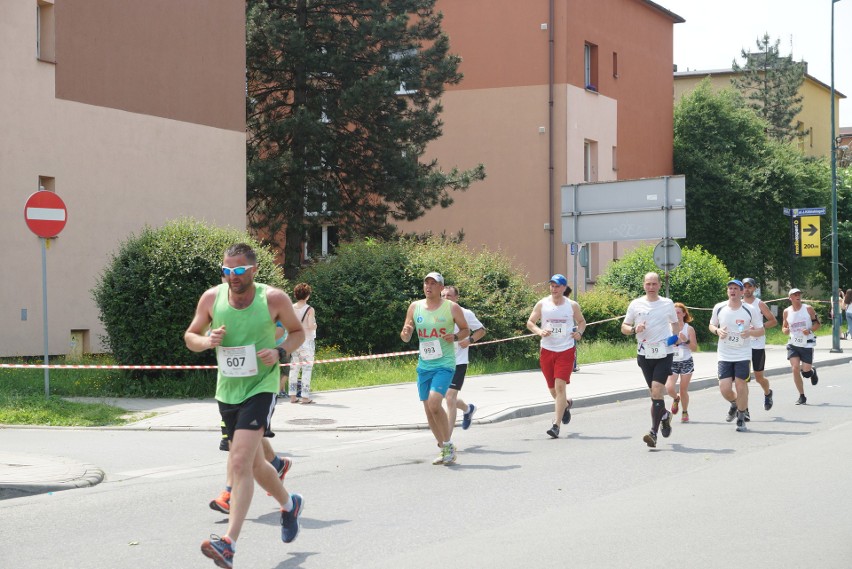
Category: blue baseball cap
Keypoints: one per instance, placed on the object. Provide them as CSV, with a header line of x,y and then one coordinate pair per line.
x,y
559,279
736,282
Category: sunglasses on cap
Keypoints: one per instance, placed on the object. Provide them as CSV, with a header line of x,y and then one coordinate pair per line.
x,y
236,270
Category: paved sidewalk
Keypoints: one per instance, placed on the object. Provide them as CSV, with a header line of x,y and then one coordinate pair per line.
x,y
498,397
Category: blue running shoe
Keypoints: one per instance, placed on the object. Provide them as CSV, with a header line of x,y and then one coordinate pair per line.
x,y
290,520
467,418
220,550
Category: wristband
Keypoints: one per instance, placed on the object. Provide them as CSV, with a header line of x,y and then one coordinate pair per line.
x,y
283,357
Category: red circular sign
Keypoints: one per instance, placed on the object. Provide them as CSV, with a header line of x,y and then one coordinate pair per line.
x,y
45,214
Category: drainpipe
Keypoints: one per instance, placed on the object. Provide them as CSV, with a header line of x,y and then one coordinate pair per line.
x,y
550,172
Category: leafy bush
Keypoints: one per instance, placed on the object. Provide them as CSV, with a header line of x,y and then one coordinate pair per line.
x,y
488,284
148,292
699,281
361,294
603,303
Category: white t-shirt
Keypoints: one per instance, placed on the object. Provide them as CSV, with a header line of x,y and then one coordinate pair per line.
x,y
473,324
559,319
734,348
682,352
658,317
303,317
760,342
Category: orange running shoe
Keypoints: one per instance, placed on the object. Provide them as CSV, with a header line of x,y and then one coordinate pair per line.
x,y
222,503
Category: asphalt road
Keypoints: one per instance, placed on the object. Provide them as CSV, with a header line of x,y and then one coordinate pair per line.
x,y
777,496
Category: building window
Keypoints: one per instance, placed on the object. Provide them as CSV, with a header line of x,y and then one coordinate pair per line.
x,y
590,161
614,158
45,32
321,242
47,183
800,135
615,64
406,61
590,62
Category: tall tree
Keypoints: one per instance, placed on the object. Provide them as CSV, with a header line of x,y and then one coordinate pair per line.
x,y
738,183
771,84
343,98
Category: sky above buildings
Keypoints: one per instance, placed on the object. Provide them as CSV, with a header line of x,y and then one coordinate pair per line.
x,y
715,32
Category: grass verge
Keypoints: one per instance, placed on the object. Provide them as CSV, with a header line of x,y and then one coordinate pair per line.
x,y
57,412
22,400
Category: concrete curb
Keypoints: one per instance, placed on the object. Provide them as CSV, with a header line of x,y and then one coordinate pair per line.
x,y
639,393
33,474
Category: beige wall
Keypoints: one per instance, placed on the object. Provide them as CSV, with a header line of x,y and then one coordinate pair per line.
x,y
508,210
815,115
498,116
167,58
117,171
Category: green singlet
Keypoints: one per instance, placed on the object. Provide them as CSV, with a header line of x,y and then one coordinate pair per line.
x,y
435,353
241,373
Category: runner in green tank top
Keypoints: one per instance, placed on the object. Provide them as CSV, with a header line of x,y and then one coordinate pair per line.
x,y
243,315
433,318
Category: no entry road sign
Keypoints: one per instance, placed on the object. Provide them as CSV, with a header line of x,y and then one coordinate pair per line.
x,y
45,214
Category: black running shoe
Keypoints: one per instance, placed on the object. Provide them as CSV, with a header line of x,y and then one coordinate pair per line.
x,y
802,399
767,401
814,377
732,412
553,431
741,426
650,439
666,425
566,415
746,415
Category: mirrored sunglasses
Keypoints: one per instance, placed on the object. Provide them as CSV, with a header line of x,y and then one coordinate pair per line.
x,y
236,270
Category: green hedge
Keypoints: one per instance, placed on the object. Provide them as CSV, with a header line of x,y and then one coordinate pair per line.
x,y
603,303
148,292
362,293
699,281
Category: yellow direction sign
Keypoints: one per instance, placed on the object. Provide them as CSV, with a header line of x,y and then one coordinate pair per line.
x,y
810,236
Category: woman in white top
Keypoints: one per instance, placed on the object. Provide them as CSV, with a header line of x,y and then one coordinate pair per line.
x,y
307,351
682,364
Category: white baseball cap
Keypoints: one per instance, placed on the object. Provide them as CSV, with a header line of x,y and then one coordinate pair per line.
x,y
435,275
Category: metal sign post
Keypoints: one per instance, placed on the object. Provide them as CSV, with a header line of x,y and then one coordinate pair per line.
x,y
44,315
45,214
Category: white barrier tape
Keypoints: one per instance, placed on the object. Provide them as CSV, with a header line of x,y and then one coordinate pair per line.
x,y
804,300
316,362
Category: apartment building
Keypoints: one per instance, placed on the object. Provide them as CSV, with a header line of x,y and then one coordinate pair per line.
x,y
813,122
555,92
134,114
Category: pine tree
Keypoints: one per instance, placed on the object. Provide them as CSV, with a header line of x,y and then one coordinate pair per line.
x,y
771,84
342,100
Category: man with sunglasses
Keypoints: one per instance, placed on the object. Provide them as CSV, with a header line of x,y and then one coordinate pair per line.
x,y
241,316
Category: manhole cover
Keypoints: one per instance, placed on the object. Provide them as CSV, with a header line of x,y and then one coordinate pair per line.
x,y
311,421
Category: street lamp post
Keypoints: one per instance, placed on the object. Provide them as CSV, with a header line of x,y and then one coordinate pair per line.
x,y
835,274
